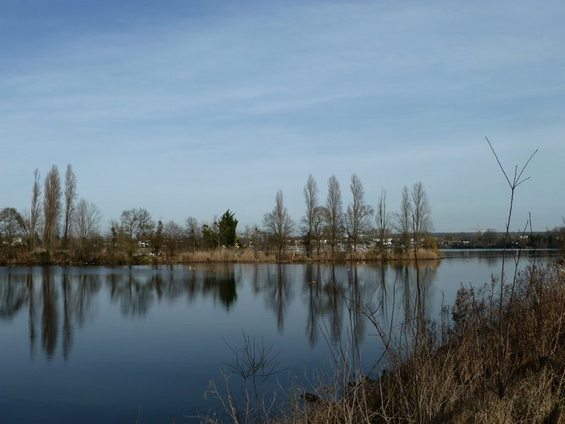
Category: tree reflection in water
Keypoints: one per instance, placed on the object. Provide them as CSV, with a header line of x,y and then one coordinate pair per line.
x,y
335,298
278,292
219,283
13,295
49,316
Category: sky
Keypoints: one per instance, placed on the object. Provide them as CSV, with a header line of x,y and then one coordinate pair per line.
x,y
188,108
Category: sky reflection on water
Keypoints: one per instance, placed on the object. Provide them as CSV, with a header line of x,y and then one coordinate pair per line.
x,y
110,344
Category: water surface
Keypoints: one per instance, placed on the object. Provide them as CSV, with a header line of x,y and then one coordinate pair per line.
x,y
141,343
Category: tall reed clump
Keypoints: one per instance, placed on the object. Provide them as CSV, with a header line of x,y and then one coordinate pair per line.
x,y
225,255
475,371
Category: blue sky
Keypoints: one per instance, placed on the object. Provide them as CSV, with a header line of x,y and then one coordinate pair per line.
x,y
188,108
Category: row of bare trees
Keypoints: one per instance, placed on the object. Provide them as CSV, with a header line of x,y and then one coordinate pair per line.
x,y
53,208
58,221
80,219
332,228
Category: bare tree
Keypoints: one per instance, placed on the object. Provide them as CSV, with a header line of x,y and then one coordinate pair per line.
x,y
254,238
12,233
51,208
193,232
314,216
403,218
86,220
35,211
172,237
421,214
513,183
382,218
135,225
278,223
12,225
318,229
334,213
157,239
70,196
358,213
211,234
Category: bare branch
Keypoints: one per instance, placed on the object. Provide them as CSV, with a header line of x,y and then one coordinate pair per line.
x,y
498,160
526,165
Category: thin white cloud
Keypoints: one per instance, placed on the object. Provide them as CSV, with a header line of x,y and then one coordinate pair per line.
x,y
375,88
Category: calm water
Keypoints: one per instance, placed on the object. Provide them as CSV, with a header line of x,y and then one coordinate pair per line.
x,y
129,343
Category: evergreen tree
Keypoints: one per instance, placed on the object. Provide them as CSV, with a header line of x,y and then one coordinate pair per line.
x,y
227,229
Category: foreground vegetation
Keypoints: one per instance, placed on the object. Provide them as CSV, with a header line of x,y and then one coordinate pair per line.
x,y
496,356
491,360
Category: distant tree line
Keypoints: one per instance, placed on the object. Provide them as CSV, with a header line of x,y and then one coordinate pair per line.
x,y
329,229
492,239
60,223
62,227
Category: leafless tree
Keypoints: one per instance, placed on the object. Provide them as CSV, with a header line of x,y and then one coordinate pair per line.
x,y
86,220
382,218
319,223
254,238
421,214
253,360
403,218
35,211
172,237
70,197
513,183
279,224
51,208
358,213
135,225
193,232
12,225
314,216
334,213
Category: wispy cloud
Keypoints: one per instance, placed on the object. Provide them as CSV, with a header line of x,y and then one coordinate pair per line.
x,y
261,96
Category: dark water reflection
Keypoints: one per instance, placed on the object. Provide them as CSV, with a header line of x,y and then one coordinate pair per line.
x,y
116,344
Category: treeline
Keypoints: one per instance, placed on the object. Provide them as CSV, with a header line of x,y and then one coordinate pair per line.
x,y
359,230
60,227
492,239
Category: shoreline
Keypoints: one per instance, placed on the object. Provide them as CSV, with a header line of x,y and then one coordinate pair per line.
x,y
220,256
245,256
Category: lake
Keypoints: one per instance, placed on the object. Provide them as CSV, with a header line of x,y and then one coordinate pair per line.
x,y
141,343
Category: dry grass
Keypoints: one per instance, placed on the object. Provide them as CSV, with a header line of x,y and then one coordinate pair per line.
x,y
397,256
488,365
120,256
491,365
224,255
250,255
